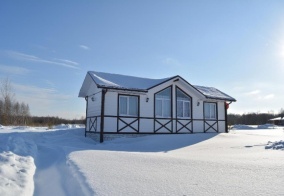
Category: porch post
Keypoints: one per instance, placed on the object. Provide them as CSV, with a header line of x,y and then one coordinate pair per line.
x,y
102,115
226,117
86,98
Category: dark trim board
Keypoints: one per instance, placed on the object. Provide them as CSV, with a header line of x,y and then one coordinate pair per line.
x,y
121,118
156,119
104,91
184,125
211,122
87,106
168,121
126,124
161,125
179,121
226,117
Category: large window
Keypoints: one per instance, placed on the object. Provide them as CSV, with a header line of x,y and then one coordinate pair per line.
x,y
163,102
183,105
210,110
128,105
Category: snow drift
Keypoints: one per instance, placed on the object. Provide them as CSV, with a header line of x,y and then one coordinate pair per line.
x,y
61,161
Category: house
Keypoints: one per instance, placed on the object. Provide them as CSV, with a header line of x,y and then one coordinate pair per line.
x,y
126,104
277,121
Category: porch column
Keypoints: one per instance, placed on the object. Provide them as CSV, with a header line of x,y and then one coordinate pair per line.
x,y
226,117
86,98
102,115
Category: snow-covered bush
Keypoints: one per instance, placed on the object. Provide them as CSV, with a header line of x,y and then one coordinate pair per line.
x,y
278,145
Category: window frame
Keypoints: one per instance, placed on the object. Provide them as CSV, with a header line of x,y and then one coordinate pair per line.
x,y
163,100
183,105
128,105
215,117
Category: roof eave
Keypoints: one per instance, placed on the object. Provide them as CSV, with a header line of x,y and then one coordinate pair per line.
x,y
163,82
222,99
123,89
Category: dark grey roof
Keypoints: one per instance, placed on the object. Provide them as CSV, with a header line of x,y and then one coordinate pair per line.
x,y
117,81
132,83
213,93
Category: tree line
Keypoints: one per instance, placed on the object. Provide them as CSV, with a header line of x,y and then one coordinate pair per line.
x,y
253,118
12,112
51,120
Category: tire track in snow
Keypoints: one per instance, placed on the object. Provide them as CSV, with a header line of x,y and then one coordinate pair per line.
x,y
53,176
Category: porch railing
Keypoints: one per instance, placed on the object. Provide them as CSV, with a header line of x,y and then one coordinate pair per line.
x,y
168,125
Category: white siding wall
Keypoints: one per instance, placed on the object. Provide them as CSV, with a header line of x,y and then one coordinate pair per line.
x,y
147,109
94,107
221,116
197,110
110,124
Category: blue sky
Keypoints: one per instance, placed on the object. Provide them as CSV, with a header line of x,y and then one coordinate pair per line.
x,y
46,48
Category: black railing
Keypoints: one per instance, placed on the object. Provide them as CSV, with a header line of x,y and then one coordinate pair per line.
x,y
211,125
184,124
128,124
160,125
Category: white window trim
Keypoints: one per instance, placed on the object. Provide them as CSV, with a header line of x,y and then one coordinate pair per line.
x,y
183,109
183,100
210,112
127,105
163,99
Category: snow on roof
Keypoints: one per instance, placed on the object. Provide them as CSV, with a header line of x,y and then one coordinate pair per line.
x,y
132,83
278,118
118,81
213,93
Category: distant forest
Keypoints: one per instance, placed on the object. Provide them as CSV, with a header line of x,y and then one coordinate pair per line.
x,y
13,112
252,118
247,119
49,121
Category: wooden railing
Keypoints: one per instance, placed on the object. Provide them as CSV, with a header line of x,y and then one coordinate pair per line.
x,y
168,125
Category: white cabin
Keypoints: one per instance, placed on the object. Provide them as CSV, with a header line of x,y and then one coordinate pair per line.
x,y
126,104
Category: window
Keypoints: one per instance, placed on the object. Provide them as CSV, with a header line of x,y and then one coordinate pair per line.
x,y
128,105
163,101
210,111
183,105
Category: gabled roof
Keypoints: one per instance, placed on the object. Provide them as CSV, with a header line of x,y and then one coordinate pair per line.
x,y
123,82
132,83
213,93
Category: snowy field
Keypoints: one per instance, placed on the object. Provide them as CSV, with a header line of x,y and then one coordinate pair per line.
x,y
61,161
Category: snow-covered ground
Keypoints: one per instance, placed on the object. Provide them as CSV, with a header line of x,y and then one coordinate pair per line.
x,y
61,161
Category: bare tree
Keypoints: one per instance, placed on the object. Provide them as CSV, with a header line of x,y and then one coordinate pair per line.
x,y
7,99
16,113
1,111
281,113
11,112
25,113
6,89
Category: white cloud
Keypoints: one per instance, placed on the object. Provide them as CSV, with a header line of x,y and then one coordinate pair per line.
x,y
68,61
49,83
14,70
258,95
39,93
84,47
254,92
27,57
270,96
172,62
43,101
